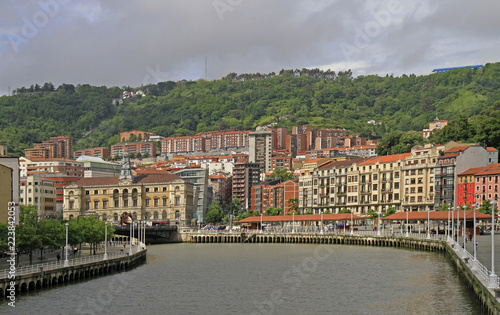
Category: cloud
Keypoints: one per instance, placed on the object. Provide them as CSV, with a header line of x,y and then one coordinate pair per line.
x,y
119,43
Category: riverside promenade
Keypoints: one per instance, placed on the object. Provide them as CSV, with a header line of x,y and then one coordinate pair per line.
x,y
53,272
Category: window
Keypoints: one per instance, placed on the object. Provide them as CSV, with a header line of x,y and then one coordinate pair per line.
x,y
156,201
71,205
147,189
105,204
87,204
156,190
177,200
96,204
125,203
96,192
396,185
147,202
164,188
165,201
87,192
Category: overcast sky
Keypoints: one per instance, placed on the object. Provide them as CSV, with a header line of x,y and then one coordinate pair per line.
x,y
117,43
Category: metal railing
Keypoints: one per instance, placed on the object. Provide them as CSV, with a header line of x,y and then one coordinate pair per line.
x,y
22,270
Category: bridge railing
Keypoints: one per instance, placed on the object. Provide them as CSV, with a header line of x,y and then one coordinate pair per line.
x,y
21,270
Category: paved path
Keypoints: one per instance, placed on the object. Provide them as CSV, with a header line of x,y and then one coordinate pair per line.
x,y
51,255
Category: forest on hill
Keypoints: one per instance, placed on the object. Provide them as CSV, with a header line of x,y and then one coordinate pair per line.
x,y
470,98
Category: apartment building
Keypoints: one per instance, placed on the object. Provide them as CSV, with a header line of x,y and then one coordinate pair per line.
x,y
245,175
100,152
261,149
138,135
275,194
9,187
134,148
39,192
56,147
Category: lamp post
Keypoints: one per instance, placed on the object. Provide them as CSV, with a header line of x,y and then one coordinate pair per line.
x,y
465,223
378,223
131,226
493,277
458,223
407,233
261,222
352,228
452,223
321,222
447,230
66,261
105,257
474,261
429,224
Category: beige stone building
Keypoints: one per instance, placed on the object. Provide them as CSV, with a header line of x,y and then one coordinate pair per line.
x,y
153,197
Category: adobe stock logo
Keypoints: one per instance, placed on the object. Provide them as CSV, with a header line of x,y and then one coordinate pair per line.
x,y
221,7
381,19
31,26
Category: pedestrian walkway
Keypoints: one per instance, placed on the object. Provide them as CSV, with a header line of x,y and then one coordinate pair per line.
x,y
51,255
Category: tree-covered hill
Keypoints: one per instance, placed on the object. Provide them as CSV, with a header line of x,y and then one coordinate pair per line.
x,y
292,97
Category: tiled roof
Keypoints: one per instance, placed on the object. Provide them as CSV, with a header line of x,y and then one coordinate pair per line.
x,y
385,158
472,171
492,169
491,149
458,149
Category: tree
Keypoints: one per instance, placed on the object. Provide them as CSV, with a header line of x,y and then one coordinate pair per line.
x,y
372,214
214,213
293,205
52,234
444,207
345,211
27,239
486,207
4,235
146,154
273,211
390,211
281,174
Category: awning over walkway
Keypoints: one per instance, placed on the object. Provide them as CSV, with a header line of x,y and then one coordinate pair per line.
x,y
438,215
303,217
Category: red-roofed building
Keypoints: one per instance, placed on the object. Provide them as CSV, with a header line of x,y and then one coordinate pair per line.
x,y
274,196
146,197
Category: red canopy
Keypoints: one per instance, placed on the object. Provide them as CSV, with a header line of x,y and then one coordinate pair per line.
x,y
303,217
437,215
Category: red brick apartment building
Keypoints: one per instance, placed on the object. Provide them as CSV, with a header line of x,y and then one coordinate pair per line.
x,y
274,196
101,152
55,148
134,148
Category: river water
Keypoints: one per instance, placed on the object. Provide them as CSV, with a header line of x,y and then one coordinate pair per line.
x,y
265,279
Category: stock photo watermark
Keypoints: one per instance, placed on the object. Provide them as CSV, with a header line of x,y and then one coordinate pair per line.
x,y
11,243
292,280
106,295
222,7
382,18
31,26
154,75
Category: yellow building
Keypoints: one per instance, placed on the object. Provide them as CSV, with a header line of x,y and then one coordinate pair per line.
x,y
153,197
9,186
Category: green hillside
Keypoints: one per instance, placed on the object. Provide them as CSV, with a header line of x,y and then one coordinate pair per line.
x,y
292,97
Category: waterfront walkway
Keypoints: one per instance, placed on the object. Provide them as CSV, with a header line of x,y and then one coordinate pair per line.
x,y
50,260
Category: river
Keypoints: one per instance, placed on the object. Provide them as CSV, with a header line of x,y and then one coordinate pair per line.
x,y
265,279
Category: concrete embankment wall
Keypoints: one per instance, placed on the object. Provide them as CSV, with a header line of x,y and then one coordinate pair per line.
x,y
486,299
44,279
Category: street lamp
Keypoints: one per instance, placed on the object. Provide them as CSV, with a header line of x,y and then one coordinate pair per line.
x,y
378,224
474,261
105,257
453,223
429,224
261,222
493,277
352,228
66,261
465,223
131,226
447,230
407,233
321,222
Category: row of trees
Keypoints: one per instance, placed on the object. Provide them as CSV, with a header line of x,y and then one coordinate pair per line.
x,y
34,233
